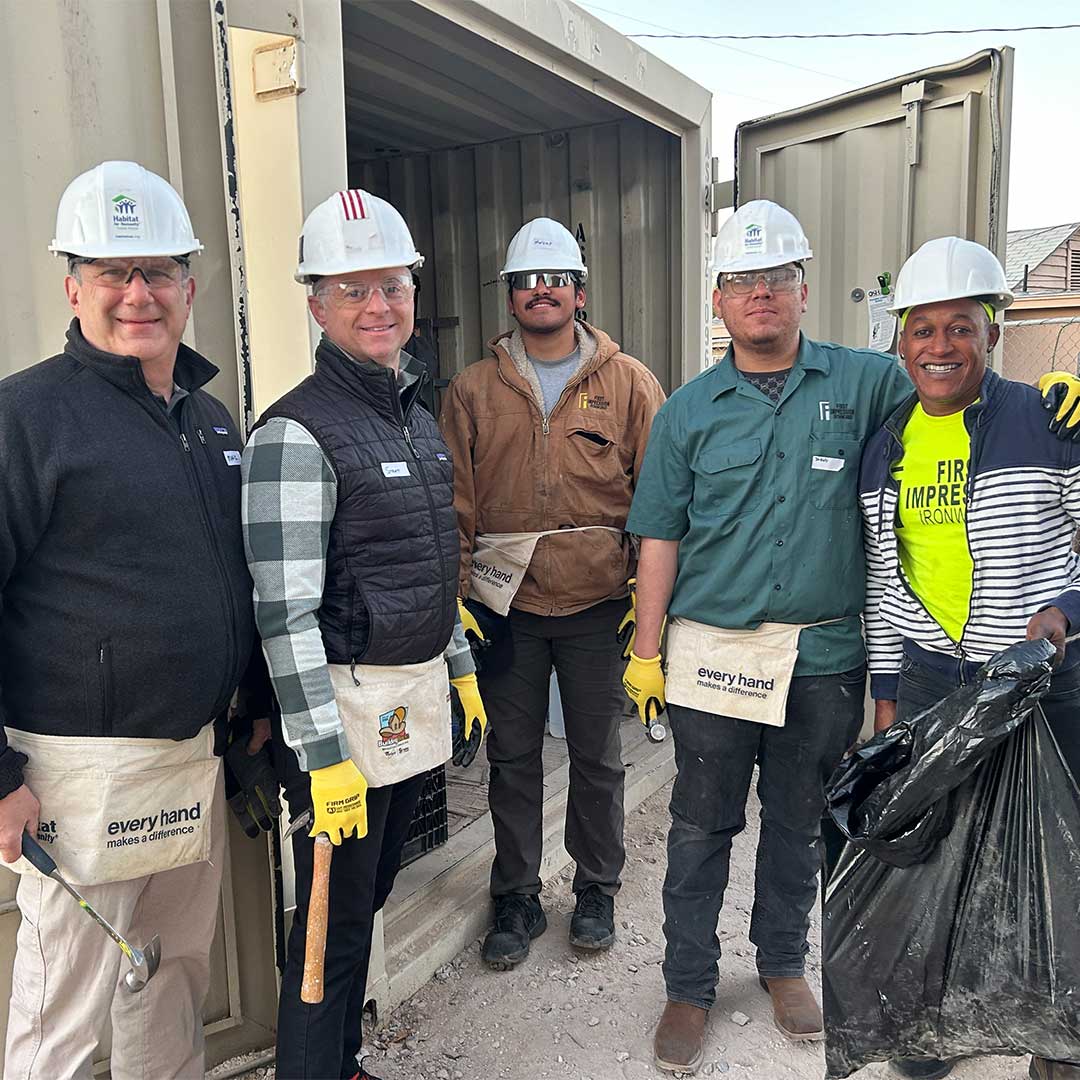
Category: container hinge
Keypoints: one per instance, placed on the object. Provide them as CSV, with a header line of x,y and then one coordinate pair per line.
x,y
278,69
720,195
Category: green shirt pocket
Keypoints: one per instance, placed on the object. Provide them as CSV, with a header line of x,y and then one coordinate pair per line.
x,y
728,478
834,470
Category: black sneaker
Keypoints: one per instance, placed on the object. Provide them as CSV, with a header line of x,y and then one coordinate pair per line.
x,y
921,1068
518,919
593,923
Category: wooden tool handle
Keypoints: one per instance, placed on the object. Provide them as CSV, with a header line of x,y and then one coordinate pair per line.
x,y
311,991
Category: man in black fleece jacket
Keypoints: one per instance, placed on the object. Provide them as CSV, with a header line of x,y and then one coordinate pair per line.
x,y
125,628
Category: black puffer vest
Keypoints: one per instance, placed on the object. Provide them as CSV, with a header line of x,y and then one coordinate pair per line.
x,y
392,562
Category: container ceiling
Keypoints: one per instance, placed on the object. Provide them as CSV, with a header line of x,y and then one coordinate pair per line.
x,y
415,81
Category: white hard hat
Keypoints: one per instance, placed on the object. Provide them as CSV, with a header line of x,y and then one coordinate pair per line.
x,y
950,268
759,235
354,230
118,209
543,244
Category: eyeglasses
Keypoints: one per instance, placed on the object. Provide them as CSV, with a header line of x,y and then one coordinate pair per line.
x,y
157,273
348,294
780,280
553,279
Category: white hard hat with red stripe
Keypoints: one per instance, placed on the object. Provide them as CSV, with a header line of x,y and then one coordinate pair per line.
x,y
354,230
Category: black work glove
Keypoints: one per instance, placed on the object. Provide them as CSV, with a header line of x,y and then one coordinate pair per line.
x,y
1061,398
251,787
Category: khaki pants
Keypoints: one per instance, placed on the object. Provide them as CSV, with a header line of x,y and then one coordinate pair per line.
x,y
67,982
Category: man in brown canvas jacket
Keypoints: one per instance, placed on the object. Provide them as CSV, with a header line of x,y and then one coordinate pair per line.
x,y
548,436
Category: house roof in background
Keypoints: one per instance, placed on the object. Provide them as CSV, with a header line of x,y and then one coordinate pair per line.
x,y
1029,247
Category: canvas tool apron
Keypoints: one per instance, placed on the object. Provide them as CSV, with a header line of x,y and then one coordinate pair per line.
x,y
741,673
396,718
119,809
500,560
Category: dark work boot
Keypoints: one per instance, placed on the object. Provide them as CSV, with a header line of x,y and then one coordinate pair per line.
x,y
678,1045
921,1068
593,922
518,919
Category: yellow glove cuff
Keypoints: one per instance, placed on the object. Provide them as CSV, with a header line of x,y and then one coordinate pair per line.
x,y
468,621
339,801
471,703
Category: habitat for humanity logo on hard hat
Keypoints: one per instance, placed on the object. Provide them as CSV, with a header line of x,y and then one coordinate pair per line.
x,y
753,239
125,215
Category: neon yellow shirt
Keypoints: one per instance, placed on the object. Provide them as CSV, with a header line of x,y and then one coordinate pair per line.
x,y
931,531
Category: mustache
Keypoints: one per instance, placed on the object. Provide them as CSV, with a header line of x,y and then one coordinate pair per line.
x,y
542,299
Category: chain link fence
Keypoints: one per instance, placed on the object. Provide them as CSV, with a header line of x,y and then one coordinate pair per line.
x,y
1031,347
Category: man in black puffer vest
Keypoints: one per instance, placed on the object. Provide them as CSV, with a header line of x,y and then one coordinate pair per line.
x,y
352,543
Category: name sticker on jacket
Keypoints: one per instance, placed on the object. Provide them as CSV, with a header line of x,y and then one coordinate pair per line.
x,y
828,464
395,468
232,457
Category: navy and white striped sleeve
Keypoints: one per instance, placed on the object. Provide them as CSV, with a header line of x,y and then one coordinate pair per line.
x,y
1068,600
884,644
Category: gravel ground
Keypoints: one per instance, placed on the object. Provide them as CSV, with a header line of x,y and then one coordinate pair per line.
x,y
563,1015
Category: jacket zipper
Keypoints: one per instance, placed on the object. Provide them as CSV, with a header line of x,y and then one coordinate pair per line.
x,y
545,428
402,418
225,593
105,684
968,486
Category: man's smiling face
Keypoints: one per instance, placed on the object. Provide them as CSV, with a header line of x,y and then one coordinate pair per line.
x,y
546,310
945,348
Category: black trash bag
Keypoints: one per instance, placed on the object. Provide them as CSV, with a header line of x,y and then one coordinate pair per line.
x,y
952,922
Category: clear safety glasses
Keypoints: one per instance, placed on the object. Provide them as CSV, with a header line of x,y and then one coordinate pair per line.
x,y
396,290
119,273
553,279
782,279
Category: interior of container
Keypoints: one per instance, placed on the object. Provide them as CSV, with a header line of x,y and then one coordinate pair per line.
x,y
469,140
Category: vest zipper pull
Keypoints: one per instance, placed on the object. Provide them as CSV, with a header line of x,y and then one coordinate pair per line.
x,y
409,442
184,443
202,438
352,672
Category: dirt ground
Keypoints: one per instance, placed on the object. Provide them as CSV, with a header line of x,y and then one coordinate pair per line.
x,y
561,1015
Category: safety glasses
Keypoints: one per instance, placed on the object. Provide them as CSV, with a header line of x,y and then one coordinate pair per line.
x,y
782,279
553,279
396,290
119,274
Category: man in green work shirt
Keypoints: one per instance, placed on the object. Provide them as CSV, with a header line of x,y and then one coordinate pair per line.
x,y
747,506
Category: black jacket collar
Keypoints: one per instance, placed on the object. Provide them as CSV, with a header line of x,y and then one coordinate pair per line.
x,y
192,371
371,382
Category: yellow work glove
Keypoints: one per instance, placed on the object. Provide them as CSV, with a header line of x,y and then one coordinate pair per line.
x,y
471,703
468,621
1061,394
628,627
339,801
643,682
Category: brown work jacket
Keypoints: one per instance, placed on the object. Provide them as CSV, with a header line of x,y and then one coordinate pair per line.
x,y
517,470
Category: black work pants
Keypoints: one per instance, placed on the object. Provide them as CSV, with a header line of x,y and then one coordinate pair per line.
x,y
715,757
588,664
322,1042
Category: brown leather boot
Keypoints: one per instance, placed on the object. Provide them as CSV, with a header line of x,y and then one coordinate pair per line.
x,y
1044,1069
795,1012
680,1035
